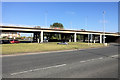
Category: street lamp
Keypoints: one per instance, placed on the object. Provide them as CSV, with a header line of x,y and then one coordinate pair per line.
x,y
46,13
86,25
103,26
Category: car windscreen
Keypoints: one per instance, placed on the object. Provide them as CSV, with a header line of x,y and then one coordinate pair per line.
x,y
15,40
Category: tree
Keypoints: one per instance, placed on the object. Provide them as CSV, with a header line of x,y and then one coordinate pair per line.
x,y
57,25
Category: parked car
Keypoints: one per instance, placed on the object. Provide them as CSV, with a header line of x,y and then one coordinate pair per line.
x,y
4,41
63,43
14,41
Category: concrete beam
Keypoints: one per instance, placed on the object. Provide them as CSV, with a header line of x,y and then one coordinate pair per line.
x,y
31,30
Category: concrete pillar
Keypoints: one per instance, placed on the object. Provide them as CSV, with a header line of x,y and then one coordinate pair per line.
x,y
100,38
91,38
41,36
75,37
88,38
104,38
38,38
94,38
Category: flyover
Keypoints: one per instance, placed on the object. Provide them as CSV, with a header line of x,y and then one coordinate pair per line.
x,y
39,33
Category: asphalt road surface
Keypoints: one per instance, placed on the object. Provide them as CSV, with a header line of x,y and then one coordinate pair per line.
x,y
89,63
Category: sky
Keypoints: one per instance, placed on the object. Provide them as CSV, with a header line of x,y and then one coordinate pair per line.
x,y
73,15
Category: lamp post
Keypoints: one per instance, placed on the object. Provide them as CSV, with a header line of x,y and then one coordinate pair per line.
x,y
86,25
46,13
104,27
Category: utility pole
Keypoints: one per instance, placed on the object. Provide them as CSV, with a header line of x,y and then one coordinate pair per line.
x,y
86,22
86,25
104,27
45,19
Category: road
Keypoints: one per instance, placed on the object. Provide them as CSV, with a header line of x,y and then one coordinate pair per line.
x,y
89,63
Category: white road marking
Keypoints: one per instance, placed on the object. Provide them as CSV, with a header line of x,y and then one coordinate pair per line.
x,y
57,66
92,59
82,61
38,69
100,58
114,56
88,60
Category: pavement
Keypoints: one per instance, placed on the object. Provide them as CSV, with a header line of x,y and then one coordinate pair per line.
x,y
89,63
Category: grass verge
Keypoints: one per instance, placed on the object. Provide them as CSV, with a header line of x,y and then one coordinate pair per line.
x,y
52,46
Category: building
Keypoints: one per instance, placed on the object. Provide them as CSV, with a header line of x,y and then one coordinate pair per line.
x,y
10,34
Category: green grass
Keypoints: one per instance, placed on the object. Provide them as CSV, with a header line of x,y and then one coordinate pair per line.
x,y
35,47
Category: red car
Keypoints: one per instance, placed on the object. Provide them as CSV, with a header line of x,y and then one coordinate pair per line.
x,y
14,41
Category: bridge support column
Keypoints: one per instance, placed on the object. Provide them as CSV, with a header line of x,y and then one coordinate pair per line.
x,y
94,38
100,38
91,38
41,36
88,38
75,37
38,37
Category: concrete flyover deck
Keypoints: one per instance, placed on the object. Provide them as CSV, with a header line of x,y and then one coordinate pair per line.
x,y
39,33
